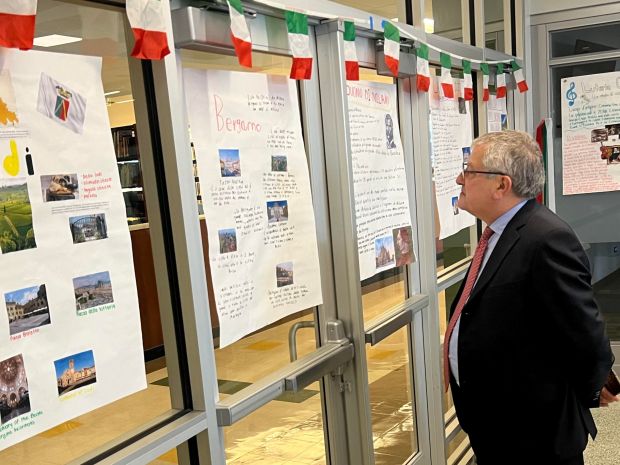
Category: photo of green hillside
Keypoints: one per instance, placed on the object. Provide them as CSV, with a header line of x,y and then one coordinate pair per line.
x,y
16,231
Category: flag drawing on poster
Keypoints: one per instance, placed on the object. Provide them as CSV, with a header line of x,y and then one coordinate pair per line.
x,y
62,104
451,138
383,218
246,132
591,133
63,239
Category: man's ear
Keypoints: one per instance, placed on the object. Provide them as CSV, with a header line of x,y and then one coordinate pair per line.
x,y
504,187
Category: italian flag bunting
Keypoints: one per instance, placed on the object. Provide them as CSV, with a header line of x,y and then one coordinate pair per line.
x,y
423,80
350,53
468,83
146,18
240,33
17,19
391,47
519,78
298,40
485,81
447,84
500,82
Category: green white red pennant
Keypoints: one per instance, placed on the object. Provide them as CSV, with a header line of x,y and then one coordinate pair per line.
x,y
391,47
423,80
350,53
299,42
500,82
146,18
447,83
485,81
17,18
519,78
240,33
468,85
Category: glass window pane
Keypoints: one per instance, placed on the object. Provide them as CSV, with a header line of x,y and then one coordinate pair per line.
x,y
447,16
589,39
494,24
392,401
393,9
445,299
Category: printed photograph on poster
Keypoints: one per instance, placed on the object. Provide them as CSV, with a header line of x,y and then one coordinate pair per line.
x,y
92,290
8,107
228,240
27,309
390,143
61,104
609,139
384,251
284,274
75,371
278,163
14,395
466,155
455,205
60,187
403,246
277,211
16,232
230,165
85,228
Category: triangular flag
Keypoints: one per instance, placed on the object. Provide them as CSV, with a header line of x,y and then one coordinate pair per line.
x,y
17,19
447,83
468,92
519,78
350,53
240,33
146,18
391,46
423,81
500,82
485,81
299,42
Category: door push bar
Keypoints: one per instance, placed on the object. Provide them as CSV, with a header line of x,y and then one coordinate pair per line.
x,y
390,322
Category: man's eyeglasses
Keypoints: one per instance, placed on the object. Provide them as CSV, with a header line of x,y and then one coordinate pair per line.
x,y
467,171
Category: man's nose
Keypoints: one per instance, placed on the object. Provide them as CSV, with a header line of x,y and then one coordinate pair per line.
x,y
459,179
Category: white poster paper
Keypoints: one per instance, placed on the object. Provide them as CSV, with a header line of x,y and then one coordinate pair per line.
x,y
69,318
246,130
591,133
497,114
451,137
384,236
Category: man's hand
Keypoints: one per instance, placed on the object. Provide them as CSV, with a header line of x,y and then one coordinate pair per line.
x,y
607,398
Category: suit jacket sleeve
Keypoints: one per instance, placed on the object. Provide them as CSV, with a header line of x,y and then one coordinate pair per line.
x,y
563,285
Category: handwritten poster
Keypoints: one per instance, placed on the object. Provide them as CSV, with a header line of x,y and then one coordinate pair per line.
x,y
497,114
384,236
591,133
254,177
451,137
70,338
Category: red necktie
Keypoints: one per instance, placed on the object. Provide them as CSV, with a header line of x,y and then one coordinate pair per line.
x,y
469,285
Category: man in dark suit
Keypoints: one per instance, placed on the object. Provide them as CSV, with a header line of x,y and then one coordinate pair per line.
x,y
525,352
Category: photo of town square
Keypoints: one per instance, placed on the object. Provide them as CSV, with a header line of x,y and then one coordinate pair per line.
x,y
27,308
75,371
87,228
228,240
14,395
230,166
92,290
384,251
284,274
16,232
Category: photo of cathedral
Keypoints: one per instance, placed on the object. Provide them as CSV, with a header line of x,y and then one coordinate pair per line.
x,y
75,371
14,396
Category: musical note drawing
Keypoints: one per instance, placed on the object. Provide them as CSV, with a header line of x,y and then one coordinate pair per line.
x,y
11,161
571,95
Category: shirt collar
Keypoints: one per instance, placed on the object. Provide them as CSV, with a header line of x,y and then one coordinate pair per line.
x,y
500,223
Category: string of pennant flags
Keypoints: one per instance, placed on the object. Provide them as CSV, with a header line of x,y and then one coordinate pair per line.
x,y
147,20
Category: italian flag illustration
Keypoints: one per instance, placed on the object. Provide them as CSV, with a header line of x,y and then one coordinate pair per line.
x,y
17,19
423,80
485,81
350,53
298,40
500,82
468,85
146,18
391,47
447,84
240,33
519,78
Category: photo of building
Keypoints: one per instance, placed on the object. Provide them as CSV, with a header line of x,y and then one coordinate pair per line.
x,y
87,228
279,163
75,371
277,211
230,166
14,396
92,290
284,274
228,240
384,251
27,308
